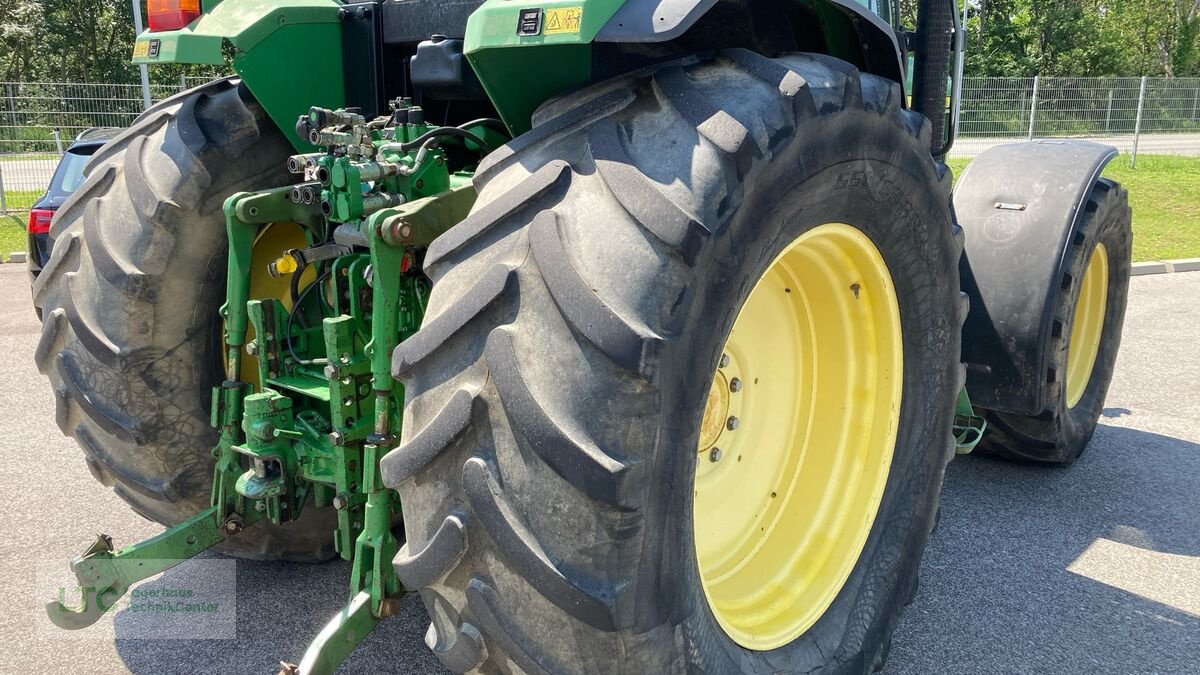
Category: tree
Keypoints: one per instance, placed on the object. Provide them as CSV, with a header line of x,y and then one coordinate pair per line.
x,y
19,22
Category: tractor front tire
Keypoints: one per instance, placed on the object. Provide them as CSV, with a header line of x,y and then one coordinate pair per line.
x,y
1089,312
131,333
559,394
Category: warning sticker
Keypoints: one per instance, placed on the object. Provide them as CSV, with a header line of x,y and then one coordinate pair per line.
x,y
141,49
564,20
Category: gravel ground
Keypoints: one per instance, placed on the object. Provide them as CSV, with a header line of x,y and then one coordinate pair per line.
x,y
1091,569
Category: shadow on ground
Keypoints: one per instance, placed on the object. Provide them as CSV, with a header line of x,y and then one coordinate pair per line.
x,y
280,608
996,593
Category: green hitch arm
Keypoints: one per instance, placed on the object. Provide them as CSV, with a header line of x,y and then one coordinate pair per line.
x,y
337,639
241,247
968,426
105,576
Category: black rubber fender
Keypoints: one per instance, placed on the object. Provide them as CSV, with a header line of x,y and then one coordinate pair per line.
x,y
1020,206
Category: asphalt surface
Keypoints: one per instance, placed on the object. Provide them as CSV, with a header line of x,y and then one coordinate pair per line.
x,y
1086,570
1186,145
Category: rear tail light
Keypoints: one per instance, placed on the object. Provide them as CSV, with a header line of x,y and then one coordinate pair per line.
x,y
39,221
171,14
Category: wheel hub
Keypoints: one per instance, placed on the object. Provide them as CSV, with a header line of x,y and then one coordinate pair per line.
x,y
716,411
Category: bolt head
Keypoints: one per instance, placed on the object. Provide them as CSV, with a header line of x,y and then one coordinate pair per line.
x,y
714,455
251,348
339,502
732,423
735,385
336,438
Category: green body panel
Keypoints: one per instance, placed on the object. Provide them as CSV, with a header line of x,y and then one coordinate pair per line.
x,y
518,79
269,71
494,24
263,37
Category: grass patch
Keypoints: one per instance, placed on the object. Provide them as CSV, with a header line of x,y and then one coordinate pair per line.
x,y
21,200
1166,203
1162,190
12,234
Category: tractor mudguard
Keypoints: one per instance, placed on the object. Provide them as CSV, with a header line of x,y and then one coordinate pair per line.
x,y
1020,206
264,38
525,54
663,20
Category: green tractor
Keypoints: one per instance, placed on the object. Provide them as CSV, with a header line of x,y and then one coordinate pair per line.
x,y
633,335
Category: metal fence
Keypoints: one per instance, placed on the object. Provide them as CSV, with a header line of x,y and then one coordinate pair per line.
x,y
38,121
1134,114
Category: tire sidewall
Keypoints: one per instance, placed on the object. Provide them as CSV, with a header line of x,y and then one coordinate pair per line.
x,y
1109,226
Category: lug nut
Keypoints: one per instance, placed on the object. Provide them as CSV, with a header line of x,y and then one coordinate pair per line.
x,y
724,360
731,423
735,385
714,455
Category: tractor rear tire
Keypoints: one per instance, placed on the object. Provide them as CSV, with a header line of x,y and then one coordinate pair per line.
x,y
131,333
1059,434
555,392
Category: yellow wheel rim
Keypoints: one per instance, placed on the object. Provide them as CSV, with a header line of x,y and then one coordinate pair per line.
x,y
271,243
1088,325
797,437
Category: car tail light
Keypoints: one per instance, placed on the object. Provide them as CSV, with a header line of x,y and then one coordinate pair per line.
x,y
39,220
171,14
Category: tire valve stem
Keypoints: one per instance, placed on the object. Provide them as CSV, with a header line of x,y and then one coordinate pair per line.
x,y
854,288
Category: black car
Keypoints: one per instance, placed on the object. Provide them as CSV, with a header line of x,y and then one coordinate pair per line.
x,y
67,177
